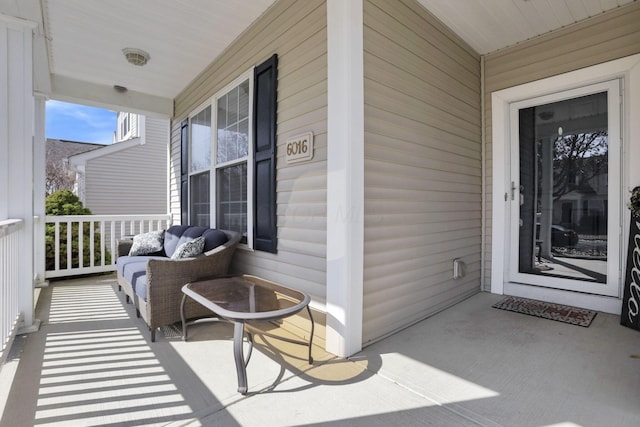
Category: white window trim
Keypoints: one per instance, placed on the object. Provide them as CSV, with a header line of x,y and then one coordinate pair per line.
x,y
128,133
214,166
192,173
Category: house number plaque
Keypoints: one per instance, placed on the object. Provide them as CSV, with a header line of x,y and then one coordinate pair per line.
x,y
300,148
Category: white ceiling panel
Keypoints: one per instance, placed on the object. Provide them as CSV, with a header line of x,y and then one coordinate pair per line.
x,y
84,38
182,37
490,25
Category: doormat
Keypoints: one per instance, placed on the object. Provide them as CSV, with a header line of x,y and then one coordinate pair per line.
x,y
547,310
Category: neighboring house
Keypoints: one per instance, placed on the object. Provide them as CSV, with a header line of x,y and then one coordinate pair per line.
x,y
415,164
58,151
130,175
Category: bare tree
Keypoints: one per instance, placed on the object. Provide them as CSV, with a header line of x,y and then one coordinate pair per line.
x,y
577,159
58,177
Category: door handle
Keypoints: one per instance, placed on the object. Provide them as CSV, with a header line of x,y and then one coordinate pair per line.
x,y
513,190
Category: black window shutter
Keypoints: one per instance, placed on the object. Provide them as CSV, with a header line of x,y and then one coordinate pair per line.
x,y
264,130
184,172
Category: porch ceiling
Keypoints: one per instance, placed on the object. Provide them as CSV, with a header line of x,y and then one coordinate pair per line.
x,y
86,39
78,45
490,25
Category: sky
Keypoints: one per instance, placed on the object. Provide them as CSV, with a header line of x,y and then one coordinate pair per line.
x,y
74,122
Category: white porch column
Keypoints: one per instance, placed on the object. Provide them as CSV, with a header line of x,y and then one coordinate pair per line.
x,y
39,190
345,176
16,147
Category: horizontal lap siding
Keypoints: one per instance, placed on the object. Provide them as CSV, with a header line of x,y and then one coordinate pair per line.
x,y
132,181
422,166
607,37
296,31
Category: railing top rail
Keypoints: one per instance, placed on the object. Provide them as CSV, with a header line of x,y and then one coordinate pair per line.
x,y
136,217
8,226
10,222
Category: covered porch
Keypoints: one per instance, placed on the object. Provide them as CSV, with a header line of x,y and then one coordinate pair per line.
x,y
410,175
90,363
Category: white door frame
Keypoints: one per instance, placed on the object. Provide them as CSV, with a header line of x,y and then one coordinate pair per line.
x,y
614,233
627,69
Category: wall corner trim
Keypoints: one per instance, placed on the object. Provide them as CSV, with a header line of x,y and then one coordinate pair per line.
x,y
345,176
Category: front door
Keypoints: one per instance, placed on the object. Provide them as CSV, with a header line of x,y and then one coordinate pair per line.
x,y
565,190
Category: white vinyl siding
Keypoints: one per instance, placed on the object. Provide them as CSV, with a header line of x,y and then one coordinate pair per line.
x,y
611,35
422,166
131,181
296,31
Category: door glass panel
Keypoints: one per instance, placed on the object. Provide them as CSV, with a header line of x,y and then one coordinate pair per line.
x,y
564,159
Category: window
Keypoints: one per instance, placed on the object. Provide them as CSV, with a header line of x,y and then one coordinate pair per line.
x,y
199,167
126,126
229,173
228,159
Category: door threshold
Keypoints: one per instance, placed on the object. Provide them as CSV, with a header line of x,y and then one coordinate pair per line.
x,y
605,304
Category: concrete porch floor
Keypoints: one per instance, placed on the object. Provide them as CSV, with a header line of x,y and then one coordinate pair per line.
x,y
91,364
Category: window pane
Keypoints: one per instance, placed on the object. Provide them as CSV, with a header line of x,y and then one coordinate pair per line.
x,y
200,151
199,199
233,124
232,199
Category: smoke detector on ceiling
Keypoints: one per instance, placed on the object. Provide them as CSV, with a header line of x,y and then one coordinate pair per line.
x,y
136,56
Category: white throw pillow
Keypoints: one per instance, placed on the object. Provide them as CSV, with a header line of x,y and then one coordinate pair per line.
x,y
147,243
189,249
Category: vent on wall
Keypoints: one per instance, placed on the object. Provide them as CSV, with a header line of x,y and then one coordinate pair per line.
x,y
459,268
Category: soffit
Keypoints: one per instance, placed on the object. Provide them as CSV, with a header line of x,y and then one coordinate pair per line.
x,y
490,25
86,37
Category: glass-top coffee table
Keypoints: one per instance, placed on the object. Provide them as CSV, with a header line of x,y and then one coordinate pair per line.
x,y
239,299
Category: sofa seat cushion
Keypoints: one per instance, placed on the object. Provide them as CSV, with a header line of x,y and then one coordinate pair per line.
x,y
140,287
123,261
135,272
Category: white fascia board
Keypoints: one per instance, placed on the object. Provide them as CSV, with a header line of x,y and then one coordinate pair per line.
x,y
78,161
102,96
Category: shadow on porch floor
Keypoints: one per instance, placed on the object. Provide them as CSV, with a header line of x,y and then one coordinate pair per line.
x,y
92,364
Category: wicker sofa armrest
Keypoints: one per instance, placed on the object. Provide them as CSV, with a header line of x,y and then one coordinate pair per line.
x,y
165,279
123,246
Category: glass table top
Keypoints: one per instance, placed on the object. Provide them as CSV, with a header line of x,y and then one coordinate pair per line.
x,y
246,297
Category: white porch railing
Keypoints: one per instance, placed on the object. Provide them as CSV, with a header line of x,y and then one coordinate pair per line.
x,y
9,282
93,240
